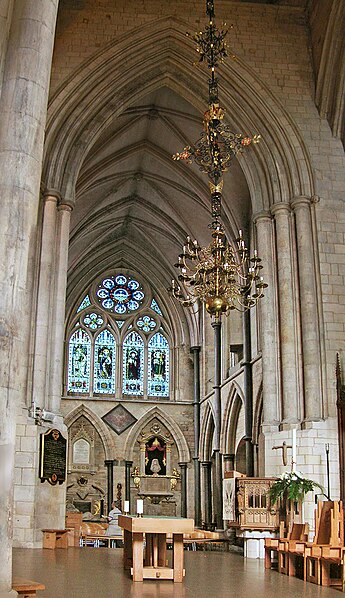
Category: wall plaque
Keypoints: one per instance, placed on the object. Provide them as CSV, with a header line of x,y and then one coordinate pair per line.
x,y
52,457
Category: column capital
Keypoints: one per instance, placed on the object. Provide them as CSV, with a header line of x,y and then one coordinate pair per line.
x,y
195,349
52,195
183,464
66,204
109,462
301,202
264,215
282,206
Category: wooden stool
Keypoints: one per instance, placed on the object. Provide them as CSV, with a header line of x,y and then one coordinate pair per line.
x,y
55,538
26,588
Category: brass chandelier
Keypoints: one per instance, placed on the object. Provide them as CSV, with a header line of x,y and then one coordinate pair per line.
x,y
222,276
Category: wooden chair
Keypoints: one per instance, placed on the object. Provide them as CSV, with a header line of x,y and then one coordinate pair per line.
x,y
327,549
291,547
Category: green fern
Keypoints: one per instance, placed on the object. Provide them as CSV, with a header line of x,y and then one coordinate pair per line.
x,y
291,486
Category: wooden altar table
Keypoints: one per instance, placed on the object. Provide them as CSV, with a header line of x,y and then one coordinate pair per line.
x,y
151,563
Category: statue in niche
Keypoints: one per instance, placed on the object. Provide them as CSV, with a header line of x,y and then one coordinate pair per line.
x,y
155,467
155,457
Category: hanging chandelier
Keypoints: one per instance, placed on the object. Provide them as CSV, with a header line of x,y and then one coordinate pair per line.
x,y
221,275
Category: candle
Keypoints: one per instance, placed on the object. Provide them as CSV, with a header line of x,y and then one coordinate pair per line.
x,y
294,450
126,506
140,506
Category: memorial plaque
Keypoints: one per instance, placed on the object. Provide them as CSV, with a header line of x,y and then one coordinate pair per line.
x,y
53,457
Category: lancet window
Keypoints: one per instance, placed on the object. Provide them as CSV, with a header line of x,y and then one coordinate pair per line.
x,y
118,342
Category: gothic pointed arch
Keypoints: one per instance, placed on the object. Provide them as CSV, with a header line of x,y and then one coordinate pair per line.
x,y
82,108
234,404
171,425
99,425
206,434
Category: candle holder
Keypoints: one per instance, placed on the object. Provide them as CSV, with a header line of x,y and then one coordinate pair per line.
x,y
140,507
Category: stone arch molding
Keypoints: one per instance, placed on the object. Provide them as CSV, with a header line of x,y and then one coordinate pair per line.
x,y
276,170
169,423
206,433
230,419
99,425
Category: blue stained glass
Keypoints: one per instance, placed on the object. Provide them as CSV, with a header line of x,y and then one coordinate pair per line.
x,y
108,283
133,305
120,279
120,323
155,307
133,359
79,350
158,366
104,363
102,293
107,303
93,321
146,323
120,294
84,304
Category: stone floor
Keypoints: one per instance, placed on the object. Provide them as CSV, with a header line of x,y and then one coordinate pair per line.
x,y
98,573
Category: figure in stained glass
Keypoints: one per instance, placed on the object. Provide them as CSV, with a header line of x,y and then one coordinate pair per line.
x,y
104,369
79,362
158,366
133,374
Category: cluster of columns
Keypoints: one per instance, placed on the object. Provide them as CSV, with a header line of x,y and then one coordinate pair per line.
x,y
27,38
290,322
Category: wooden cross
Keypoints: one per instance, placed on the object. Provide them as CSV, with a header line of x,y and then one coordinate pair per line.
x,y
284,448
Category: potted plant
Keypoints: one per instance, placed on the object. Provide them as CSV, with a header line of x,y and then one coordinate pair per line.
x,y
291,486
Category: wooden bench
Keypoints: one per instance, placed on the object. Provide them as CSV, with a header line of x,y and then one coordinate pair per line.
x,y
26,588
55,538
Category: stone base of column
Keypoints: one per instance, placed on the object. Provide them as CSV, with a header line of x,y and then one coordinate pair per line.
x,y
37,505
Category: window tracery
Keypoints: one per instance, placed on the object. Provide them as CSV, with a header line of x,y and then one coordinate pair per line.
x,y
107,355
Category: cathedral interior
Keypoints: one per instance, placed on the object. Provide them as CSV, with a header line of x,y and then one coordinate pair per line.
x,y
159,392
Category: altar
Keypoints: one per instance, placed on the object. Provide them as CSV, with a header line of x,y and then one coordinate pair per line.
x,y
151,562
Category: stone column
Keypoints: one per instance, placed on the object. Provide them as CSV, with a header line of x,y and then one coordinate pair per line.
x,y
229,462
44,297
248,393
23,104
183,467
128,465
267,312
59,303
109,463
206,467
287,314
196,402
218,485
309,310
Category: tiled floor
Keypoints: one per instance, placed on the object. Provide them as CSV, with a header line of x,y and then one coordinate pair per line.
x,y
98,573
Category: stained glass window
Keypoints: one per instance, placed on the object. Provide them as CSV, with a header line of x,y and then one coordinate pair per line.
x,y
104,363
120,323
120,294
79,362
146,323
93,321
154,305
158,366
133,361
84,304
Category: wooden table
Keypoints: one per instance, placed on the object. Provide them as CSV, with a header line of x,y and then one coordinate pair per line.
x,y
155,530
26,588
